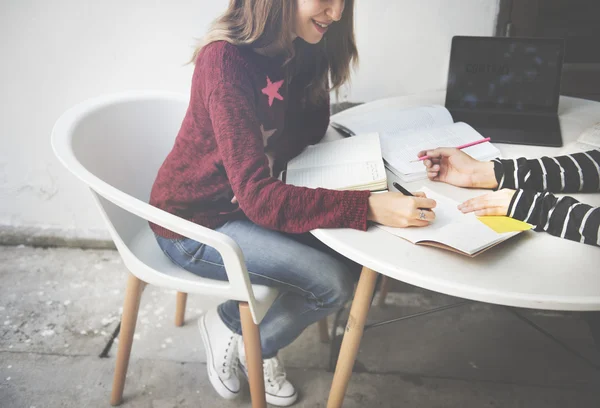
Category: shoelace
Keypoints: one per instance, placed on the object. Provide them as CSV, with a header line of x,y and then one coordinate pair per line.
x,y
228,358
274,372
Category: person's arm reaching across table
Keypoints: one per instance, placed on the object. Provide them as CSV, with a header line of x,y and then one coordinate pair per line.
x,y
524,189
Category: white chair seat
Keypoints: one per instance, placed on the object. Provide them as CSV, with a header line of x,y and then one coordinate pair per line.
x,y
145,248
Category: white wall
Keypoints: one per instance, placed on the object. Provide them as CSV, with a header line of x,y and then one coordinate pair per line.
x,y
55,54
404,45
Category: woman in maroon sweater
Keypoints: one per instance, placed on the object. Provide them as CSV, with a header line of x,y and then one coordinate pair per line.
x,y
260,94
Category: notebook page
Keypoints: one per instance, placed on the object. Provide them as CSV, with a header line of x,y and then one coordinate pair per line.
x,y
339,176
397,120
591,136
446,214
399,149
451,227
356,149
469,236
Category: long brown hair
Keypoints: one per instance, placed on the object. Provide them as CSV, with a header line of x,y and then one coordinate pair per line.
x,y
262,24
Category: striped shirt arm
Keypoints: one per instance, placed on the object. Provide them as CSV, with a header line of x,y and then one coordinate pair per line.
x,y
578,172
563,217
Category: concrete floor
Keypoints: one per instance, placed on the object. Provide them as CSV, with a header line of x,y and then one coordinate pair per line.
x,y
59,306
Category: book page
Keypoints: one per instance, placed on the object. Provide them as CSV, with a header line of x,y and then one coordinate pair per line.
x,y
591,136
338,177
446,213
469,236
397,120
356,149
451,227
400,148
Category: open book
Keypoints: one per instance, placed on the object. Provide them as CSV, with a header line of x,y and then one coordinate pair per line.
x,y
452,230
348,164
591,137
405,132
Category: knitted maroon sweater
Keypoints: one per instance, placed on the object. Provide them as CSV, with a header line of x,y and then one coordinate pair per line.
x,y
241,112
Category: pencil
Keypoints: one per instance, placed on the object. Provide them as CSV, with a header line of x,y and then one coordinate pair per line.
x,y
487,139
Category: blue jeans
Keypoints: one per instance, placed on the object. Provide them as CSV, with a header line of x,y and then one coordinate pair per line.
x,y
313,281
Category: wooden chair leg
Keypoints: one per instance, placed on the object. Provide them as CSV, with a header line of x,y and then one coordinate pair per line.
x,y
254,362
354,330
131,306
180,309
323,331
385,288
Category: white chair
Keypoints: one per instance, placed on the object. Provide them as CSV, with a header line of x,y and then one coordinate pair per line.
x,y
115,145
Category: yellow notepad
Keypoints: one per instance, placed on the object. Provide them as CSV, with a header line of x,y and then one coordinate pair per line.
x,y
504,224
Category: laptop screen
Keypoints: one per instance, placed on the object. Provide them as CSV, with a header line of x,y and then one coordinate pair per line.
x,y
504,73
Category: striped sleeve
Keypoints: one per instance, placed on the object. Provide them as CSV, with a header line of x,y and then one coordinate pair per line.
x,y
563,217
573,173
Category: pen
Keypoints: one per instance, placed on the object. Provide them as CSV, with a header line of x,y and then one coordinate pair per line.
x,y
487,139
342,129
402,189
408,193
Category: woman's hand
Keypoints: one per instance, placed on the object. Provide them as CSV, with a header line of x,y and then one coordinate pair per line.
x,y
495,203
397,210
453,166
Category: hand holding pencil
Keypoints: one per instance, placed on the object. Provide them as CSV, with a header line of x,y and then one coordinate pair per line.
x,y
453,166
476,142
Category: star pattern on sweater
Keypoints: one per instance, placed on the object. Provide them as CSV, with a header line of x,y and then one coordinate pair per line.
x,y
272,90
266,134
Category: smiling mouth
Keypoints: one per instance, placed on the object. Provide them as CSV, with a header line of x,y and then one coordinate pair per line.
x,y
322,25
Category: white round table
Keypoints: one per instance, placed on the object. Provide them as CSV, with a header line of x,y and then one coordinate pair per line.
x,y
532,270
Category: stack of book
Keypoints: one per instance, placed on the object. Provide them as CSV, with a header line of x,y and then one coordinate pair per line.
x,y
406,132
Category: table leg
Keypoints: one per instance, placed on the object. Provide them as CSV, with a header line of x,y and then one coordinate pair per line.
x,y
352,336
383,290
593,320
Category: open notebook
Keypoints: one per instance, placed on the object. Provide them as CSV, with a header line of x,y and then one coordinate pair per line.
x,y
405,132
452,230
590,137
348,164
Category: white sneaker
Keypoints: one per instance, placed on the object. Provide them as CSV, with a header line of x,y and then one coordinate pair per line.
x,y
221,345
278,390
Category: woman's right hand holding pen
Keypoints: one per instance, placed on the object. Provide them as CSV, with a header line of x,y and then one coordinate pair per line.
x,y
397,210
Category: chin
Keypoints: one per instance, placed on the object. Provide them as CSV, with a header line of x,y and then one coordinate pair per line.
x,y
312,39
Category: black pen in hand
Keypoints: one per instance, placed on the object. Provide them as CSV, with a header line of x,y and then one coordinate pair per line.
x,y
408,193
402,189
